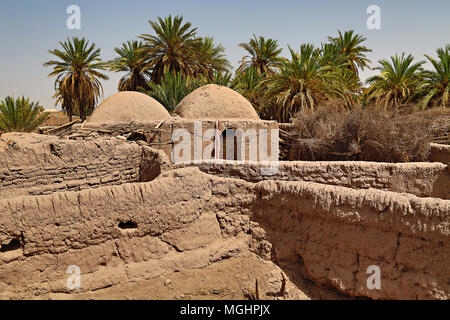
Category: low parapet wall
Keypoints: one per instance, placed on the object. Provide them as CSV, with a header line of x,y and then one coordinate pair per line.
x,y
440,153
420,179
187,220
33,164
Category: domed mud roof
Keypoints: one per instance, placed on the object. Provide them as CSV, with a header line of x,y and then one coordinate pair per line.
x,y
215,102
129,106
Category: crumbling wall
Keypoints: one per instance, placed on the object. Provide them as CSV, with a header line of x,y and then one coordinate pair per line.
x,y
420,179
33,164
120,236
189,220
327,222
153,163
439,153
334,234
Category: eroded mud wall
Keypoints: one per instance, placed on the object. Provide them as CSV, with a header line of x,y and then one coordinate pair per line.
x,y
33,164
186,220
439,153
335,234
116,235
421,179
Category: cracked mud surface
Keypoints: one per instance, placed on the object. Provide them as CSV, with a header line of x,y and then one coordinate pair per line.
x,y
194,233
187,220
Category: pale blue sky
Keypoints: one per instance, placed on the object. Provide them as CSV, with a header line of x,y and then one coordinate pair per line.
x,y
28,28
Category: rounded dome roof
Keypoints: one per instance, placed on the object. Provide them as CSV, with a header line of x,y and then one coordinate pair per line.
x,y
216,102
129,106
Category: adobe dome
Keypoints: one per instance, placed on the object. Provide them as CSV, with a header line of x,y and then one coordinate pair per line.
x,y
215,102
129,106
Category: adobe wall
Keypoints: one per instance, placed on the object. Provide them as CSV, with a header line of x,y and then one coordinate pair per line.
x,y
33,164
58,119
176,235
333,234
186,220
225,222
160,134
420,179
440,153
255,130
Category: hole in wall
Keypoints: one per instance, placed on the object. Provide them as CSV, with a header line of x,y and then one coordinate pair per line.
x,y
53,149
128,225
13,244
136,136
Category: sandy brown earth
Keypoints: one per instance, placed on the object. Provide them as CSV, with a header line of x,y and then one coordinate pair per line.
x,y
440,153
209,233
423,179
231,279
186,220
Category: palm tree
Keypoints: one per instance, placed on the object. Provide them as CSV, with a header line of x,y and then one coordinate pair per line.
x,y
172,89
131,60
332,58
263,55
173,48
78,72
344,85
220,78
349,44
300,83
437,83
211,58
250,83
21,115
398,82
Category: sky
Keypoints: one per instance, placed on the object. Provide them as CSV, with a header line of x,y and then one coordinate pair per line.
x,y
29,28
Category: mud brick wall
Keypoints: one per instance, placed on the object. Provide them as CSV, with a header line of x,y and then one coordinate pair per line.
x,y
439,153
418,178
258,132
189,220
32,164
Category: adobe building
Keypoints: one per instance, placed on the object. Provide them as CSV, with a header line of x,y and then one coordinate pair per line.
x,y
212,122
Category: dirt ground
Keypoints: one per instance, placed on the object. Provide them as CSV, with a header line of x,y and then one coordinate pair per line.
x,y
231,279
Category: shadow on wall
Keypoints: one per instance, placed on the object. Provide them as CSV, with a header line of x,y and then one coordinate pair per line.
x,y
440,153
331,236
153,162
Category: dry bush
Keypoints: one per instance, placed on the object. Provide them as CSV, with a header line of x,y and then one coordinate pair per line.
x,y
369,134
439,123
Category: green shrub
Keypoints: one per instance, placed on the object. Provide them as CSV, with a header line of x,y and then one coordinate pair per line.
x,y
21,115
